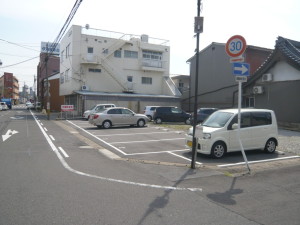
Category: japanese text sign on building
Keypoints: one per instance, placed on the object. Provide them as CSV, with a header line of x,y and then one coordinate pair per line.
x,y
65,108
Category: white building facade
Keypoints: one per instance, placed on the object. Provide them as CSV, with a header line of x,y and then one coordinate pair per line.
x,y
98,66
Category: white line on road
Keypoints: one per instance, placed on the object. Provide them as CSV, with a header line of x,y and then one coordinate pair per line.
x,y
146,153
108,135
66,165
45,129
259,161
63,152
53,139
129,142
97,138
184,158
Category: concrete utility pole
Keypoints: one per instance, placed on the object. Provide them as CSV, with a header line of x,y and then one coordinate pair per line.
x,y
198,30
47,88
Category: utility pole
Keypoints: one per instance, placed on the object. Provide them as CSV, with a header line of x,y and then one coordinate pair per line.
x,y
47,88
198,29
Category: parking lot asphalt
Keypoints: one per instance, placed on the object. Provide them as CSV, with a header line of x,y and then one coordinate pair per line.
x,y
166,146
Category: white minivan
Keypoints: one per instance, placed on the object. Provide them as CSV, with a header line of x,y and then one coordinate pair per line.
x,y
218,134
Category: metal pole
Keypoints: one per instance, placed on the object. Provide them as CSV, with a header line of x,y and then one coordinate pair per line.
x,y
239,125
194,151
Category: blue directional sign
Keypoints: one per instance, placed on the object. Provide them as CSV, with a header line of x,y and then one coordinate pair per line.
x,y
241,69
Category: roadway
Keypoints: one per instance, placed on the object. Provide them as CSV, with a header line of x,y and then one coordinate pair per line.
x,y
53,172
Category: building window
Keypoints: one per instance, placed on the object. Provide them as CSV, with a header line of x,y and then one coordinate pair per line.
x,y
130,54
62,78
90,50
129,78
68,51
146,80
250,102
152,59
67,75
92,70
118,53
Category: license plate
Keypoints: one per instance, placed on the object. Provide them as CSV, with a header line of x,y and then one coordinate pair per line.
x,y
189,143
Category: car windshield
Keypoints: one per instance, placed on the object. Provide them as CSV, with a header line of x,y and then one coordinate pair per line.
x,y
93,107
217,119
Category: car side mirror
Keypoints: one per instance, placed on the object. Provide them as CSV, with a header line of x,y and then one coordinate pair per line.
x,y
235,126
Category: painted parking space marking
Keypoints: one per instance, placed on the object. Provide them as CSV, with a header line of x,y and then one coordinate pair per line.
x,y
129,142
108,135
259,161
148,153
172,153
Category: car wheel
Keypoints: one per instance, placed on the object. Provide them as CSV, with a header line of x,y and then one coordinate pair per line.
x,y
141,123
158,120
218,150
106,124
270,146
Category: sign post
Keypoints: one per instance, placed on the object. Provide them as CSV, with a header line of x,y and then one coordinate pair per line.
x,y
235,47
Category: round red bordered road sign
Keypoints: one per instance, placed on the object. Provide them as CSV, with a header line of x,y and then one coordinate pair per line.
x,y
235,46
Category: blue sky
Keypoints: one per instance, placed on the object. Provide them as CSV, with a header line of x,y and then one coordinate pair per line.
x,y
27,23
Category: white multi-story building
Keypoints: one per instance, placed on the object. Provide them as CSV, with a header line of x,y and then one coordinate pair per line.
x,y
98,66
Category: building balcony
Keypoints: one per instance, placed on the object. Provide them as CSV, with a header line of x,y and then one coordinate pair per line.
x,y
153,65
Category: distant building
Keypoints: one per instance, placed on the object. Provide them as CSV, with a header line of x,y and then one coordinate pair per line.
x,y
99,66
276,83
182,82
216,83
42,73
9,87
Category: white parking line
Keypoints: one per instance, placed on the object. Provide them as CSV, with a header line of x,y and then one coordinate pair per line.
x,y
184,158
108,135
129,142
146,153
259,161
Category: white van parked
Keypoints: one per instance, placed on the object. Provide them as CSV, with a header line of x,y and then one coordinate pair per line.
x,y
96,108
218,133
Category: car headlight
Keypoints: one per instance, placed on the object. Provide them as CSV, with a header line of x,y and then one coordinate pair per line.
x,y
206,136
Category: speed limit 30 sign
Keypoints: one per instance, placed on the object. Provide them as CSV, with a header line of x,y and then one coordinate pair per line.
x,y
235,46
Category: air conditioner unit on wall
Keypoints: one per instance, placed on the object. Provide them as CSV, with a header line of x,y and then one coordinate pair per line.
x,y
267,77
84,88
258,90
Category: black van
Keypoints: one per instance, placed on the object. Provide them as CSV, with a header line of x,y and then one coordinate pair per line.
x,y
170,114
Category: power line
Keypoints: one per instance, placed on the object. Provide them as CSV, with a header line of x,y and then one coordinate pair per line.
x,y
22,46
19,62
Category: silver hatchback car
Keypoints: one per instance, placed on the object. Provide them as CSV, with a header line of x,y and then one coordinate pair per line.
x,y
117,116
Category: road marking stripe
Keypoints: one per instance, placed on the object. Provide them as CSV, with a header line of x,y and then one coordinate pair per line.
x,y
63,152
66,165
97,138
259,161
145,153
53,139
45,129
184,158
108,135
129,142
